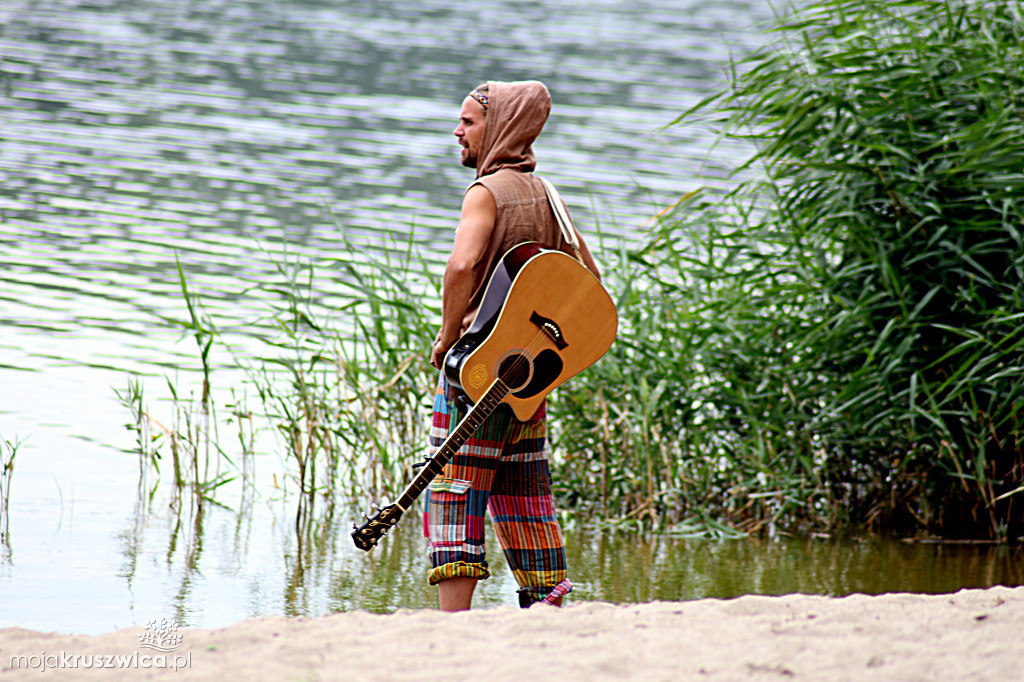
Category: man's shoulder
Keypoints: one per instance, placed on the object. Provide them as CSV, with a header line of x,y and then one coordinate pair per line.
x,y
478,195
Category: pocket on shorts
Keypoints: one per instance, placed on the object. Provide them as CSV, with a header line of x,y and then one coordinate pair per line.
x,y
444,521
453,486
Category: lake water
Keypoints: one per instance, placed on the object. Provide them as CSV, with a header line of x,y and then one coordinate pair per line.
x,y
138,131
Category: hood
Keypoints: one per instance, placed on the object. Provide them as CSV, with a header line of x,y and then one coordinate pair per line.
x,y
516,113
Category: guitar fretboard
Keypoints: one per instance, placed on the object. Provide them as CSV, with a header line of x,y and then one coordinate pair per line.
x,y
455,440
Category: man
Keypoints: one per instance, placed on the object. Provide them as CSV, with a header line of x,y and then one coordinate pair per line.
x,y
503,467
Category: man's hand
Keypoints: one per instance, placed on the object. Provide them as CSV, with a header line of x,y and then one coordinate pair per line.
x,y
441,346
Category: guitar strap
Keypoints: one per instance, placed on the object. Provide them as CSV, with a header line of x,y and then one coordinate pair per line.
x,y
564,222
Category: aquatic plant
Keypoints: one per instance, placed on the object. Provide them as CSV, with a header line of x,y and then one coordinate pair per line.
x,y
357,396
344,383
837,341
8,453
147,441
191,429
833,344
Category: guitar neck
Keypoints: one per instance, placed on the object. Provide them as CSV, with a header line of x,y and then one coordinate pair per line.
x,y
455,440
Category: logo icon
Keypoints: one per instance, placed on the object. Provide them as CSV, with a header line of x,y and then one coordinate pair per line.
x,y
162,636
478,376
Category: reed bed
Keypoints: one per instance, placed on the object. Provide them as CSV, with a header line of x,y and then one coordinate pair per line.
x,y
834,345
353,408
342,383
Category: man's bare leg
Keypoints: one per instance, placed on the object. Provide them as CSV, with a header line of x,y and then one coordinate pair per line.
x,y
456,594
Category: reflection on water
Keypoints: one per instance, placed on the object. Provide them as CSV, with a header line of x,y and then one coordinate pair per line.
x,y
625,568
321,574
138,131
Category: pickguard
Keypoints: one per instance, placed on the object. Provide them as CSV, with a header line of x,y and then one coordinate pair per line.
x,y
546,368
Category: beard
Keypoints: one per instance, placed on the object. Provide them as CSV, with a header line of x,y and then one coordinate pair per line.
x,y
468,159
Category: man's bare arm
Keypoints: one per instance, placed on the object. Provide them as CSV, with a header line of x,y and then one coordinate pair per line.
x,y
471,238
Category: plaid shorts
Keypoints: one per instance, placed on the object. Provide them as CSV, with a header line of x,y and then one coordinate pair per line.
x,y
502,468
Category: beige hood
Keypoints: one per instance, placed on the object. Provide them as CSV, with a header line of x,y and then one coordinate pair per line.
x,y
516,113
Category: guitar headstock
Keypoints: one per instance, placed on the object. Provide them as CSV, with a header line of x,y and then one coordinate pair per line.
x,y
376,527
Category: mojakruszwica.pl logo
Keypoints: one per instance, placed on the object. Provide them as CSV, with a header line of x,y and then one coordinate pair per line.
x,y
161,637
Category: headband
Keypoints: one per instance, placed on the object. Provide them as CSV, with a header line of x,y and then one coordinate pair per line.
x,y
479,97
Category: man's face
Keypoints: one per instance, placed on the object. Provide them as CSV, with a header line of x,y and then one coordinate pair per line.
x,y
470,131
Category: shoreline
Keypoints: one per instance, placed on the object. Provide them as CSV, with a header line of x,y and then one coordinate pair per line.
x,y
968,635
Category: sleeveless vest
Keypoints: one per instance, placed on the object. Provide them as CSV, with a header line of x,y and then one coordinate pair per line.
x,y
523,215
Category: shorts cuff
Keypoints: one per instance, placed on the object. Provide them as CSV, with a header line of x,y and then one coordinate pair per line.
x,y
458,569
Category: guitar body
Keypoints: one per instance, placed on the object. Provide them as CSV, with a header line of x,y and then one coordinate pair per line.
x,y
543,319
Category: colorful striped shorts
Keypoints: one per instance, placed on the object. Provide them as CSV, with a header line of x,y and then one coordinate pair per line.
x,y
502,468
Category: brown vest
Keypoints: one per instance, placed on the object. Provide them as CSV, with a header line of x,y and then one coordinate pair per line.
x,y
524,215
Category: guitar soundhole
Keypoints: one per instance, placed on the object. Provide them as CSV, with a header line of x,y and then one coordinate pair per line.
x,y
546,368
515,369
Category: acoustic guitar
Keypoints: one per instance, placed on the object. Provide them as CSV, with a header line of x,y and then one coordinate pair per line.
x,y
543,319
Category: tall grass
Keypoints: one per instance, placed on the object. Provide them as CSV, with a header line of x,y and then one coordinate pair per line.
x,y
837,343
8,453
342,380
346,383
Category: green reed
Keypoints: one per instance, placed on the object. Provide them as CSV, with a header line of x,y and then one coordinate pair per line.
x,y
344,383
147,442
837,342
356,402
8,453
190,431
834,344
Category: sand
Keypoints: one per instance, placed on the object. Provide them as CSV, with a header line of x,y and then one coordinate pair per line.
x,y
969,635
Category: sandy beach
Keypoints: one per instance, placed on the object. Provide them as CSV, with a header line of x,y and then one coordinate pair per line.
x,y
969,635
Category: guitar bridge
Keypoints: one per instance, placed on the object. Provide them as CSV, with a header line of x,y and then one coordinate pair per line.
x,y
550,329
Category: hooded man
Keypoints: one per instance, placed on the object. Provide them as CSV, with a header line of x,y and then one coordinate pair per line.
x,y
503,467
